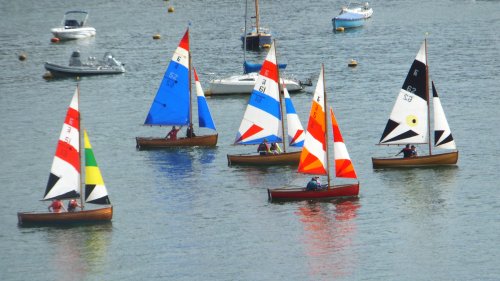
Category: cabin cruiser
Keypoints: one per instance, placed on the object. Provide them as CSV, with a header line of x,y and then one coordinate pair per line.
x,y
108,65
74,26
244,84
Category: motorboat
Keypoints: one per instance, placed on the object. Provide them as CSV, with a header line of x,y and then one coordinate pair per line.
x,y
244,84
353,15
74,26
108,65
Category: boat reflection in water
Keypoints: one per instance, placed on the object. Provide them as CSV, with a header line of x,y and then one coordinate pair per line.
x,y
78,251
328,234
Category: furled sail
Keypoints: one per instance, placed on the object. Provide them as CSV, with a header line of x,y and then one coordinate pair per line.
x,y
313,156
204,117
408,122
64,179
442,131
171,103
262,118
95,190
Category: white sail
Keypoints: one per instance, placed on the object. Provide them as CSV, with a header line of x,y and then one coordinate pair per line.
x,y
442,133
64,179
408,122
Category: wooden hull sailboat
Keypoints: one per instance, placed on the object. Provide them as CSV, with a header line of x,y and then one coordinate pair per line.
x,y
288,158
172,105
449,158
409,121
331,192
262,123
155,143
84,216
65,179
314,158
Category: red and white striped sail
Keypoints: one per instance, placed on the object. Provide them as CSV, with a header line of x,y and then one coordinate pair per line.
x,y
313,156
343,165
64,179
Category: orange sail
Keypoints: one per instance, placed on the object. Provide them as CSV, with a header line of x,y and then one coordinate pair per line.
x,y
313,157
343,165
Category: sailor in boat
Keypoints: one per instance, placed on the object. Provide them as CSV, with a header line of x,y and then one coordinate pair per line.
x,y
56,206
263,148
407,151
190,132
172,135
413,151
275,148
73,204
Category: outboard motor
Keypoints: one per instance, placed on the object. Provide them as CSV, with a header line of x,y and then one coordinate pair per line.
x,y
74,60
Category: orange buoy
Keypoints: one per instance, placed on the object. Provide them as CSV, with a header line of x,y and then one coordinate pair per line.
x,y
54,40
156,36
170,9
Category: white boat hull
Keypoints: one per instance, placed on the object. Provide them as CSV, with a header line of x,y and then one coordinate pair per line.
x,y
243,84
73,33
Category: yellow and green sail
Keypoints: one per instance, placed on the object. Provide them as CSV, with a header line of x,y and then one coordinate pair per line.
x,y
95,190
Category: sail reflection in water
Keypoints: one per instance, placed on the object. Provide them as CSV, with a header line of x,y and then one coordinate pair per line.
x,y
328,235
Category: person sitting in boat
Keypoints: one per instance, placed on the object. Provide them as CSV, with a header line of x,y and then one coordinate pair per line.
x,y
406,151
56,206
263,148
72,205
413,151
190,132
313,184
275,148
172,135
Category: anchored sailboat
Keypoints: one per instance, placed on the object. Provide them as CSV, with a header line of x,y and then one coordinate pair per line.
x,y
172,105
263,119
258,37
65,180
409,122
314,158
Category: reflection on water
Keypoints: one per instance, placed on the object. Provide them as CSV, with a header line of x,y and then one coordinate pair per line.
x,y
328,232
78,251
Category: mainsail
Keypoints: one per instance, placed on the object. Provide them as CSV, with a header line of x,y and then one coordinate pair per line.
x,y
95,190
64,180
296,134
262,118
204,117
442,132
408,122
171,105
343,165
313,159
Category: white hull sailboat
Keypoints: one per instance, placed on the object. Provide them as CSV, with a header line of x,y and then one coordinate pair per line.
x,y
409,122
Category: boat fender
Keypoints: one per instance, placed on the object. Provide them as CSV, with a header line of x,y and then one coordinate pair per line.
x,y
340,29
54,40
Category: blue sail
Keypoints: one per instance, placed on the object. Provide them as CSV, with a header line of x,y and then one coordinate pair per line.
x,y
171,104
204,116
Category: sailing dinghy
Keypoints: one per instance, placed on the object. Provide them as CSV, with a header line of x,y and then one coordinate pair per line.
x,y
65,180
409,122
314,158
263,119
172,105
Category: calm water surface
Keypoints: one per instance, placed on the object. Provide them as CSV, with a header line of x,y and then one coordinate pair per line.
x,y
185,215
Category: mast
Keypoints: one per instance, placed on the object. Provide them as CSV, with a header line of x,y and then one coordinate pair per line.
x,y
245,36
257,16
280,91
428,99
189,89
80,145
326,127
